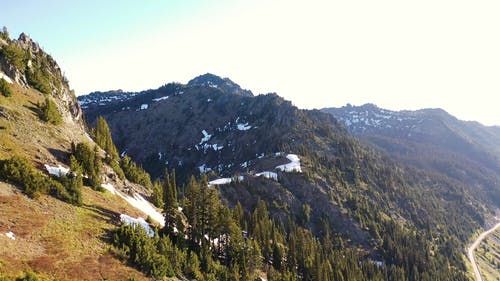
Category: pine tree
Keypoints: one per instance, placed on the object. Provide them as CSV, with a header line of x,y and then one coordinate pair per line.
x,y
102,136
238,214
157,194
170,202
192,214
75,181
95,169
49,112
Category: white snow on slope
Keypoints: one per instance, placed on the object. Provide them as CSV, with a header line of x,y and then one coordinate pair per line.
x,y
204,169
146,207
10,234
160,99
5,77
206,137
137,222
217,147
109,187
88,137
243,127
268,175
58,171
222,181
144,106
293,166
138,202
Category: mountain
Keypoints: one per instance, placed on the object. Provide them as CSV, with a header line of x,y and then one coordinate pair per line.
x,y
225,84
244,187
371,202
51,227
433,140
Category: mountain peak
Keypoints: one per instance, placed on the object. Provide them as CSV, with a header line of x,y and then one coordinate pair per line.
x,y
27,43
225,84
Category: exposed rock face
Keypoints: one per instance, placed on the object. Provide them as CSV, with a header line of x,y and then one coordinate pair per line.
x,y
27,43
34,59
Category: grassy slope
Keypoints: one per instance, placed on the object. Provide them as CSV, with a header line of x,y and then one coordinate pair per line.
x,y
488,257
60,241
22,132
56,240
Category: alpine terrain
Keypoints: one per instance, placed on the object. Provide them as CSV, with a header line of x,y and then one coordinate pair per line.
x,y
397,216
207,181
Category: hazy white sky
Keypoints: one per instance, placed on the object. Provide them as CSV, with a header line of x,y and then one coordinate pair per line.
x,y
396,54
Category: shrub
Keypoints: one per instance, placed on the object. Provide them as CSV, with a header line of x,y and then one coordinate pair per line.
x,y
28,276
135,173
20,171
38,79
5,88
90,163
49,112
15,56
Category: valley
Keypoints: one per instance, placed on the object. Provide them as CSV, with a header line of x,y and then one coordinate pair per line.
x,y
207,181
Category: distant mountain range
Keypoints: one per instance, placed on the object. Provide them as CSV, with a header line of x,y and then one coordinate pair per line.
x,y
433,140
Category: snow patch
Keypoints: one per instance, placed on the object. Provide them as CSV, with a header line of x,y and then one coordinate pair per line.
x,y
123,153
203,169
206,137
243,127
11,235
144,106
109,187
88,137
160,99
58,171
222,181
138,202
142,204
128,220
5,77
268,175
217,147
293,166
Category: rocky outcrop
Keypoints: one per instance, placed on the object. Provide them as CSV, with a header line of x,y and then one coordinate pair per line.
x,y
33,60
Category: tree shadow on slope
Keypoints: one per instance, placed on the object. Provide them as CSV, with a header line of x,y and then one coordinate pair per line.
x,y
35,108
60,155
108,215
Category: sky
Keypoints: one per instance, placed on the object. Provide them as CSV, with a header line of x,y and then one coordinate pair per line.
x,y
396,54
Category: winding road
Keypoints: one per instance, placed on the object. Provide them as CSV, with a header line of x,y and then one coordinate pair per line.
x,y
470,250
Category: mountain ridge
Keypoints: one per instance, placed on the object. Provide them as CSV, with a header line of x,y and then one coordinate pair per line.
x,y
316,203
432,139
342,181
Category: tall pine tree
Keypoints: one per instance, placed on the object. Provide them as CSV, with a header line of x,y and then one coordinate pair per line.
x,y
170,202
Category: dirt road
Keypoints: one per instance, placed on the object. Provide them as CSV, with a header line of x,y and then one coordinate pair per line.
x,y
470,250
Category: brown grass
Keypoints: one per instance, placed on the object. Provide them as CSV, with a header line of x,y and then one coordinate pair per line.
x,y
59,241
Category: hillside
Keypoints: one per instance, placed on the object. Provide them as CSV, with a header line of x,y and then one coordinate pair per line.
x,y
40,233
278,193
373,204
433,140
